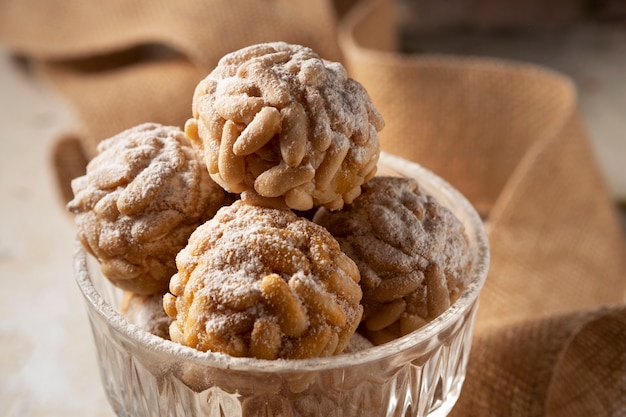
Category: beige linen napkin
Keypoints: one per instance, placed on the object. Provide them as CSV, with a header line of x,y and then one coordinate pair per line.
x,y
550,335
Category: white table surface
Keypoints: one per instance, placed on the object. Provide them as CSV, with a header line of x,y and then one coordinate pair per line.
x,y
47,361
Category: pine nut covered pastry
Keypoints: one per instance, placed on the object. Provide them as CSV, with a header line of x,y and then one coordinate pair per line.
x,y
146,312
411,251
262,282
142,196
285,128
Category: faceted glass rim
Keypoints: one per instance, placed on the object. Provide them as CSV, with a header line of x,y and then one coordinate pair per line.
x,y
432,184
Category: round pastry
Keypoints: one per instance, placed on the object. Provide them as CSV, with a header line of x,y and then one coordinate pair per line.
x,y
285,128
411,251
146,312
143,194
262,282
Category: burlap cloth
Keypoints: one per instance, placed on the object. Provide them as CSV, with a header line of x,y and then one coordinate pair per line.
x,y
550,336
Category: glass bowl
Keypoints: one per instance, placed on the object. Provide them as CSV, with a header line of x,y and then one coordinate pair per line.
x,y
420,374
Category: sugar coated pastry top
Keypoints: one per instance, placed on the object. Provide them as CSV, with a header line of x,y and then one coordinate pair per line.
x,y
142,196
285,128
262,282
411,251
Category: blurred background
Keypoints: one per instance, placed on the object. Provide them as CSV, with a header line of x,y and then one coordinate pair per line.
x,y
585,40
47,367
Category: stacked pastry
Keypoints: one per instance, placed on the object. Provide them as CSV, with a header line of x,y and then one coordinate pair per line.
x,y
261,230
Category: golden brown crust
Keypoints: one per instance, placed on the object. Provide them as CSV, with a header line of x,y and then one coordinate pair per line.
x,y
265,283
285,128
412,253
142,196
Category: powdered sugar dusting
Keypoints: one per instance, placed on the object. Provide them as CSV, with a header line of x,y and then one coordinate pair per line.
x,y
253,270
412,252
282,126
142,196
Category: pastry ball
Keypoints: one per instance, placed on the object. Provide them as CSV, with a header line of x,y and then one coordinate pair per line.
x,y
285,128
146,312
143,194
412,253
262,282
